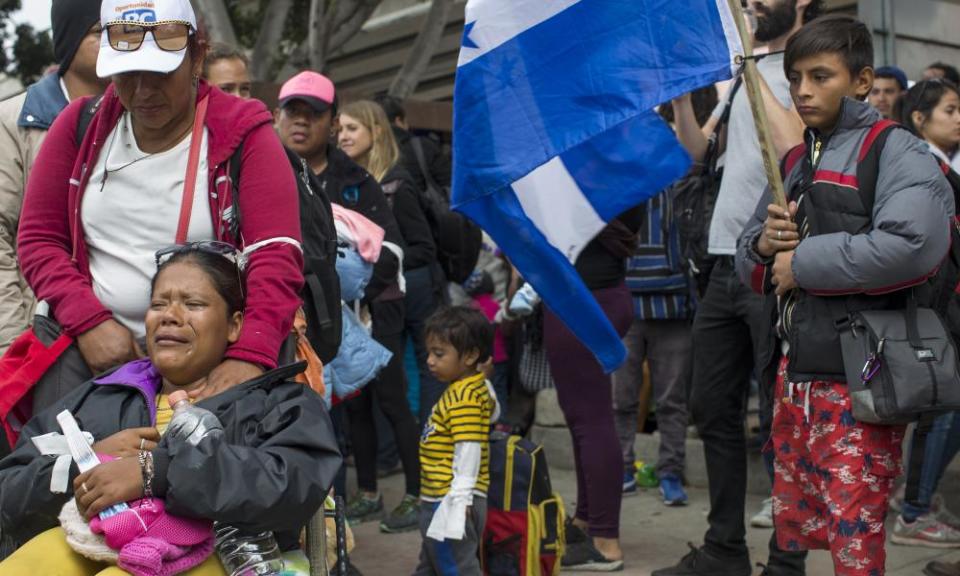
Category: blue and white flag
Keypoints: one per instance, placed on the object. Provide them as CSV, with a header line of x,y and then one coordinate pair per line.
x,y
555,133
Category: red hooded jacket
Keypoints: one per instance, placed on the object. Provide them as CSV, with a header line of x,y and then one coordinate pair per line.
x,y
52,248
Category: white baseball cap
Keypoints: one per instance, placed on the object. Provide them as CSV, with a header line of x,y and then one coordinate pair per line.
x,y
149,57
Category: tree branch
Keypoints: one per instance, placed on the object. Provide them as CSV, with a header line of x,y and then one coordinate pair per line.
x,y
348,29
418,59
265,51
218,22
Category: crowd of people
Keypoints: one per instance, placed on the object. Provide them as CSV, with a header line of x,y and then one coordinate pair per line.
x,y
151,235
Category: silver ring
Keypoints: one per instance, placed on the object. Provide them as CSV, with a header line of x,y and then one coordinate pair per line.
x,y
142,440
84,486
779,234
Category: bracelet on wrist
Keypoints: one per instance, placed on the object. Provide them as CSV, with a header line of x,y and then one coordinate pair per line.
x,y
146,472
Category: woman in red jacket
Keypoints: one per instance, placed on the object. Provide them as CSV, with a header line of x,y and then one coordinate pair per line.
x,y
96,208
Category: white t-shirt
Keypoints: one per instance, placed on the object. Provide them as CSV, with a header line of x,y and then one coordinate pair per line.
x,y
744,178
133,213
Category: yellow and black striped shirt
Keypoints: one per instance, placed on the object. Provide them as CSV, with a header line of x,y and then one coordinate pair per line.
x,y
462,415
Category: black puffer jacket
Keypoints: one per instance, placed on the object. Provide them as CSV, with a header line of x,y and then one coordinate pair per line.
x,y
350,186
270,471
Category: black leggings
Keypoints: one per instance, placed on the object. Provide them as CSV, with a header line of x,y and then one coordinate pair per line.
x,y
390,391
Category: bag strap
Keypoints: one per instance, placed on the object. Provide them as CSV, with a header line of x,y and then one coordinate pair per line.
x,y
86,117
422,163
193,163
236,162
917,453
711,155
868,161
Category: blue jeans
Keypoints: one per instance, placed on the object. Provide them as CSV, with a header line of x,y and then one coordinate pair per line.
x,y
943,443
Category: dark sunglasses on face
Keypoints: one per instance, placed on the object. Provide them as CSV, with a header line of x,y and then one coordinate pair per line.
x,y
168,36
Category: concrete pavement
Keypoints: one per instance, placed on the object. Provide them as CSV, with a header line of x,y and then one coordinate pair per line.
x,y
653,536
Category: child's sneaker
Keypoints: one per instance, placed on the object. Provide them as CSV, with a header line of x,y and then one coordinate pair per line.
x,y
524,301
629,484
672,490
925,531
404,517
360,508
764,518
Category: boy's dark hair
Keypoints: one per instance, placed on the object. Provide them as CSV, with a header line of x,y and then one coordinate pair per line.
x,y
464,328
949,72
392,106
220,51
840,34
223,274
923,97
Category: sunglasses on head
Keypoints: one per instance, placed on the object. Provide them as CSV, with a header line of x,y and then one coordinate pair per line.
x,y
171,36
228,251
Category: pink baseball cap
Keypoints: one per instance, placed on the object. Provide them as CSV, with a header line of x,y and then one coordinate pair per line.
x,y
313,88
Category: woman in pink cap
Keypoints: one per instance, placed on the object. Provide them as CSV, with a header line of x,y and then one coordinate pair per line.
x,y
151,167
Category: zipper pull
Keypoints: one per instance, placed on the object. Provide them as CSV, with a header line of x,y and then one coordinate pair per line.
x,y
816,150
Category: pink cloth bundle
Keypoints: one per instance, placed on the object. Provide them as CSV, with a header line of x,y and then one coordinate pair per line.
x,y
358,230
154,543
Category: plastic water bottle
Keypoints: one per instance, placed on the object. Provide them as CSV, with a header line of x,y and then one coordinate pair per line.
x,y
241,554
191,424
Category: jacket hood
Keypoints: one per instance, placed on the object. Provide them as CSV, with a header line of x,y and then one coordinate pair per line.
x,y
854,115
44,102
341,167
229,119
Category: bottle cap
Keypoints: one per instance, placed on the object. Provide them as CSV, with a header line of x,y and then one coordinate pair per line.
x,y
176,396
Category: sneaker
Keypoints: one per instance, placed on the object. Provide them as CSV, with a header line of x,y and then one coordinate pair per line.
x,y
584,557
629,484
524,301
699,562
927,531
672,490
404,517
573,534
937,568
361,508
763,518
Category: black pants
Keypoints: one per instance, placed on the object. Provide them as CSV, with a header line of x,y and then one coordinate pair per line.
x,y
422,300
389,390
730,342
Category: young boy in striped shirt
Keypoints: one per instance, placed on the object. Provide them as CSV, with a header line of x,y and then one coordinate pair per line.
x,y
454,445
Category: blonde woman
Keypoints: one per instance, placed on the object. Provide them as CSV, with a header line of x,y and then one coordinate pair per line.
x,y
366,137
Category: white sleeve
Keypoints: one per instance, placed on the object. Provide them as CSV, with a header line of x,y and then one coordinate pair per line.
x,y
449,520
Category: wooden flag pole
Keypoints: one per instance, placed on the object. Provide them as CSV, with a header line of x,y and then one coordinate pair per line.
x,y
751,81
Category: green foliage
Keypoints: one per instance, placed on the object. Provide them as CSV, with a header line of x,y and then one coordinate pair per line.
x,y
32,53
7,7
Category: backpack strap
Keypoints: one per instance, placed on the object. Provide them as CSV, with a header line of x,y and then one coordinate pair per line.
x,y
794,156
868,161
422,163
86,116
236,161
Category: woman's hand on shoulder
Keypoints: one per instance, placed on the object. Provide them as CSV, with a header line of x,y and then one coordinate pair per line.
x,y
108,484
106,345
128,443
228,374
